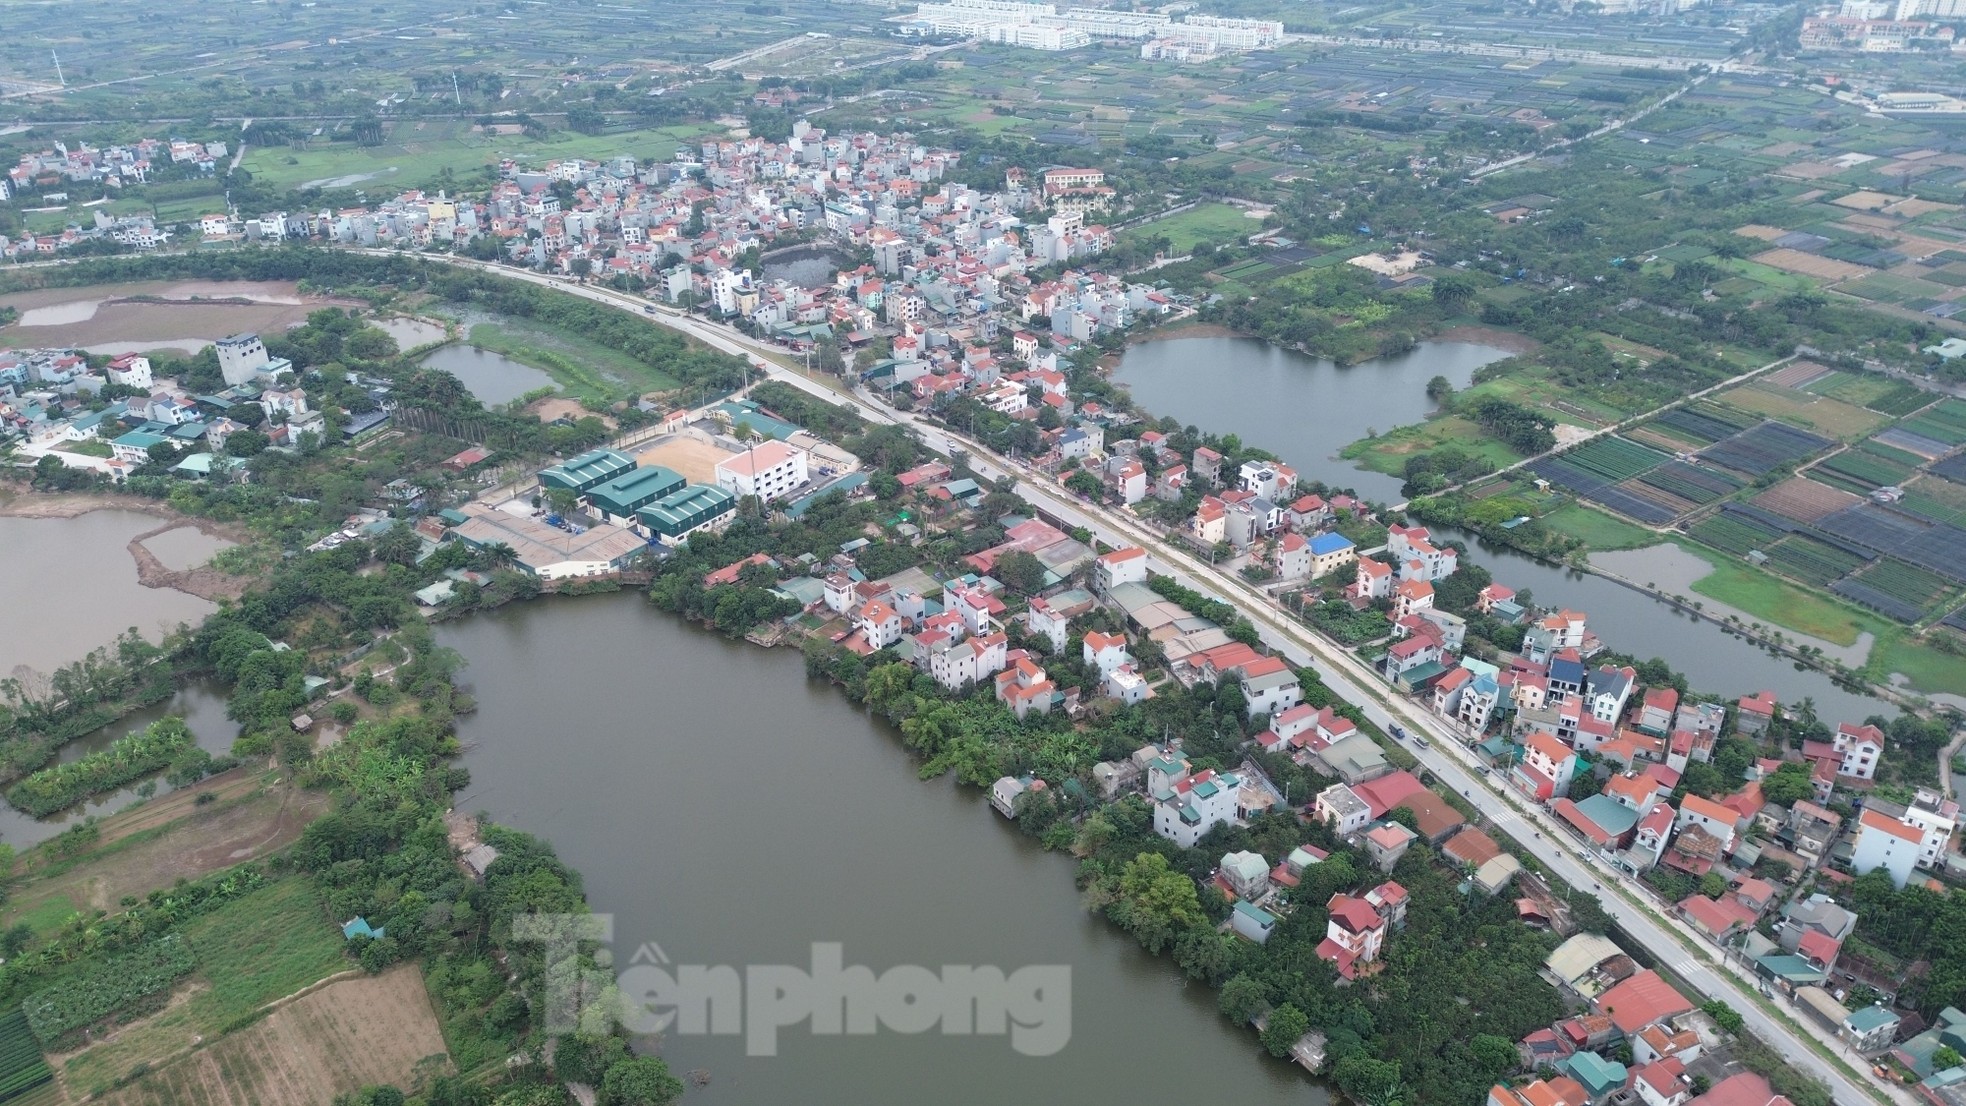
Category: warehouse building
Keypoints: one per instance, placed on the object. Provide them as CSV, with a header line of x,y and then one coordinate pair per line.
x,y
586,471
618,499
674,517
549,552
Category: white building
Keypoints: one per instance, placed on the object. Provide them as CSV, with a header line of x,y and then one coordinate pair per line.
x,y
1194,805
242,357
1122,566
1936,818
767,471
1045,622
1884,842
1339,807
1860,747
132,370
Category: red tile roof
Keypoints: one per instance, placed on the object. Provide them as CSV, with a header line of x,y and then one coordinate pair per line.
x,y
1643,999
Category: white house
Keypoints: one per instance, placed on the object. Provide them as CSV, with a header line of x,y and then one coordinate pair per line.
x,y
1339,807
1269,686
1885,842
1860,747
1418,557
1121,566
767,470
1936,818
242,357
1105,652
132,370
879,622
1194,805
1127,685
1046,622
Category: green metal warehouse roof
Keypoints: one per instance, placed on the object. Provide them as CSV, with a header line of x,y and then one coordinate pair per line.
x,y
585,471
679,512
634,489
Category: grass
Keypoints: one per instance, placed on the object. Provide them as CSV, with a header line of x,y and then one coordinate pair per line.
x,y
583,368
1831,417
251,951
1388,452
1928,669
1777,602
409,157
1597,529
47,914
1218,224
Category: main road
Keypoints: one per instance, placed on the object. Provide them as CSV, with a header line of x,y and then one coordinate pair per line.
x,y
1669,939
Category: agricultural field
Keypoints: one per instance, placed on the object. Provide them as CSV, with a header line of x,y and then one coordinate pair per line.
x,y
331,1041
1216,224
1830,417
22,1068
1597,529
253,950
417,153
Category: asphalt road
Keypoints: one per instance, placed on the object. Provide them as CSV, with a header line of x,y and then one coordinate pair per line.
x,y
1551,843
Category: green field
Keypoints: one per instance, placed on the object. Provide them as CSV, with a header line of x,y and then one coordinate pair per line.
x,y
1216,224
587,370
257,948
1772,600
414,153
1388,452
1928,669
1597,529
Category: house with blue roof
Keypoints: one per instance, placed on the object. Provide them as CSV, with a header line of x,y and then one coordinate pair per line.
x,y
358,926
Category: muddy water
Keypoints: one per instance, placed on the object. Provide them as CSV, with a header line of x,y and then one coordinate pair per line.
x,y
94,318
184,548
70,586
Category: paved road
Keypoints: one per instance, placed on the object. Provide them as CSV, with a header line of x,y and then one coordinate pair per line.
x,y
1549,841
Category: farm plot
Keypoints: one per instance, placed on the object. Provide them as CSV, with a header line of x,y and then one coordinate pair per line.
x,y
1893,588
1832,417
347,1035
1956,620
1593,471
1953,469
1936,499
1899,438
1804,500
1704,423
1929,545
1740,530
1765,448
1878,393
1945,423
1690,482
1858,471
1802,374
1813,562
21,1067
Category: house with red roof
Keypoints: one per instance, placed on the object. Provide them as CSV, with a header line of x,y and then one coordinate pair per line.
x,y
1718,819
1662,1083
1546,768
1641,1000
1754,713
1356,927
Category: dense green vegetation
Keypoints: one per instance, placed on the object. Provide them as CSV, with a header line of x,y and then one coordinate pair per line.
x,y
125,760
21,1067
127,986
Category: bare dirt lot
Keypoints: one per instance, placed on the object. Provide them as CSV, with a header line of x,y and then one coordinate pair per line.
x,y
1804,500
694,459
1808,264
336,1039
241,823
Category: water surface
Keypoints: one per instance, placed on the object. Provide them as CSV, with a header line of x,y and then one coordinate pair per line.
x,y
1304,409
722,807
492,377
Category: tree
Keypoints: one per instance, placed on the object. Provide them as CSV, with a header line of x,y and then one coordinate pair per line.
x,y
1452,293
640,1081
1286,1025
398,545
1242,998
1496,1055
585,1058
1723,1015
1021,571
245,443
1790,784
1440,390
1155,902
1947,1058
1368,1081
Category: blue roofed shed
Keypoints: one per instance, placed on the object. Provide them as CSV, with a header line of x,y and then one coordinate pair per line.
x,y
358,926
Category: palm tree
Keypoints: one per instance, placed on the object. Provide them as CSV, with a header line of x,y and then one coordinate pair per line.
x,y
497,555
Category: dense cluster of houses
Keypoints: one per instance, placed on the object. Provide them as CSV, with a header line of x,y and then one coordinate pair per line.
x,y
99,170
47,406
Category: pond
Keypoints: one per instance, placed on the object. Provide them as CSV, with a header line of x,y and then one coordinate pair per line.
x,y
184,548
724,809
809,267
492,377
71,586
1304,409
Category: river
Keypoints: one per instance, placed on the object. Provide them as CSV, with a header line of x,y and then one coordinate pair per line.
x,y
735,813
1305,410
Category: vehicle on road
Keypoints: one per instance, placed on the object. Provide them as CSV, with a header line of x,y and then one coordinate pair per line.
x,y
1398,731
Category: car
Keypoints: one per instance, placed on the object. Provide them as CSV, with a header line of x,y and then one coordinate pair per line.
x,y
1421,743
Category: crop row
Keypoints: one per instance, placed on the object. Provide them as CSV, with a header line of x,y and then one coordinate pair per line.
x,y
22,1067
123,986
1812,561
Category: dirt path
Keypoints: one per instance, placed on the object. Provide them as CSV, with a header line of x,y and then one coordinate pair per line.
x,y
204,581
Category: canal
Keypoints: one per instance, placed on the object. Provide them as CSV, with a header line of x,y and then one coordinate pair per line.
x,y
727,810
1305,409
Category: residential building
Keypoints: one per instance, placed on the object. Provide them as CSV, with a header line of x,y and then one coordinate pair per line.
x,y
1546,768
768,471
1860,746
1339,807
1121,566
1024,687
1887,843
878,623
1104,651
1269,686
1246,875
1193,805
